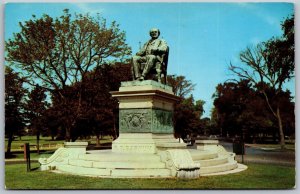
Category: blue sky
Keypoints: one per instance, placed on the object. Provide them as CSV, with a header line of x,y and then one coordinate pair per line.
x,y
203,37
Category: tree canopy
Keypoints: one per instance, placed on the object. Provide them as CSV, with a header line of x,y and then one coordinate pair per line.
x,y
188,112
60,53
14,105
181,86
268,66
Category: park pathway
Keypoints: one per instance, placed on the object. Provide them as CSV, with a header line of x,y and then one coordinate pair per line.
x,y
255,154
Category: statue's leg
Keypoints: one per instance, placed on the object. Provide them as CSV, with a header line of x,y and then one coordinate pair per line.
x,y
158,71
136,63
150,61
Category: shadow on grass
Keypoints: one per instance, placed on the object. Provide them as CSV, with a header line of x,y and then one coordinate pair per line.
x,y
10,156
33,154
35,169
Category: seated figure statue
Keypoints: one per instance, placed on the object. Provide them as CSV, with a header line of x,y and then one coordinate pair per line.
x,y
153,56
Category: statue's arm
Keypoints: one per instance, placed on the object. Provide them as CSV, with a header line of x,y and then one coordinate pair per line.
x,y
162,48
142,52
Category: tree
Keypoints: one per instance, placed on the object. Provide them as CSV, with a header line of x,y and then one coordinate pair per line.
x,y
60,52
229,103
187,115
268,66
239,110
14,105
198,108
187,112
52,123
181,86
35,107
97,104
215,126
205,126
98,108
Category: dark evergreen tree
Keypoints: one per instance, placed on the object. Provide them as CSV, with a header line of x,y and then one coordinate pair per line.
x,y
14,105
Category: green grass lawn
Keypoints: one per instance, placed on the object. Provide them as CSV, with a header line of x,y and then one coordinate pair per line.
x,y
46,143
33,154
257,176
273,146
17,143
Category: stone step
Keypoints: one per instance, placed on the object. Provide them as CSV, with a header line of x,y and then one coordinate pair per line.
x,y
218,168
151,172
213,162
78,170
141,173
117,164
169,145
130,165
203,154
166,141
122,173
108,156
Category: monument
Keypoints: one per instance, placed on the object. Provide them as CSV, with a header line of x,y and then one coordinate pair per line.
x,y
146,146
153,57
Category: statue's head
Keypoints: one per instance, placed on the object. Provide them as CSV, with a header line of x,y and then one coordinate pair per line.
x,y
154,33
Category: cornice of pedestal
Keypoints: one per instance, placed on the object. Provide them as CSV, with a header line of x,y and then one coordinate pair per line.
x,y
145,93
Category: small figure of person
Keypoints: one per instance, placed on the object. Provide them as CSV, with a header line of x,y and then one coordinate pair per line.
x,y
151,53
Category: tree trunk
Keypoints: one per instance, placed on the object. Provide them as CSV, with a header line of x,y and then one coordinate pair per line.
x,y
278,117
38,143
10,139
68,134
281,134
97,140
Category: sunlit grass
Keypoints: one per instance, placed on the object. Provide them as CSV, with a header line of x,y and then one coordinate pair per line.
x,y
257,176
273,146
46,143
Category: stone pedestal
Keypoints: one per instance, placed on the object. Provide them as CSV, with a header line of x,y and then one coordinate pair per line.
x,y
63,155
134,143
206,144
145,108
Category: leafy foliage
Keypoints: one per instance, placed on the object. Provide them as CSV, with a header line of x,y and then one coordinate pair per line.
x,y
239,109
35,109
187,112
181,86
60,54
268,66
96,112
61,51
14,105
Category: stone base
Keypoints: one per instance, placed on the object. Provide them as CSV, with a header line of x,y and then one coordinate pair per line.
x,y
134,143
71,150
145,107
209,145
145,143
146,120
181,163
144,85
167,141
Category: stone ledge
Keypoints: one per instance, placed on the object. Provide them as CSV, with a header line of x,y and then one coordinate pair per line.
x,y
134,143
144,85
207,142
75,144
240,168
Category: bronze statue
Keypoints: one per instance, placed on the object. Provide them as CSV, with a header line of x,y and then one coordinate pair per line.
x,y
153,57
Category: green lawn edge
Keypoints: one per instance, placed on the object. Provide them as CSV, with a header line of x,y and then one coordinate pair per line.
x,y
257,176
